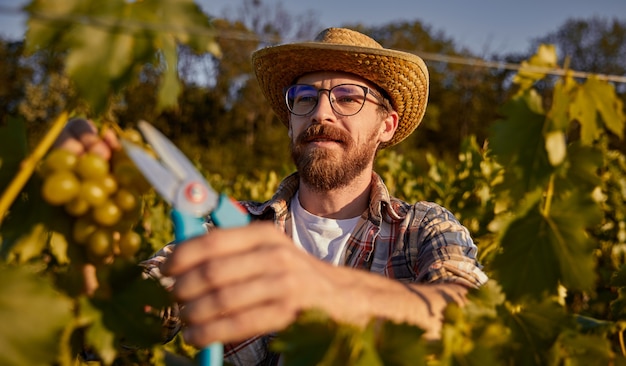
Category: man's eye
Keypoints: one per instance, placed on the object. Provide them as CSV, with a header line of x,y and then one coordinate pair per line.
x,y
306,99
347,99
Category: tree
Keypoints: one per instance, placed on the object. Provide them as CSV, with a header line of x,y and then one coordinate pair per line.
x,y
595,45
461,97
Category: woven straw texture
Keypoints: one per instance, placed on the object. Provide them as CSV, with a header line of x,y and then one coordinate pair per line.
x,y
402,75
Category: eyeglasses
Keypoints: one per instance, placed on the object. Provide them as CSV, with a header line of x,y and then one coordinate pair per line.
x,y
345,99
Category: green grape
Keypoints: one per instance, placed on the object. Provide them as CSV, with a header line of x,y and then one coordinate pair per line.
x,y
57,160
83,228
107,214
60,187
92,166
100,243
93,193
129,244
77,206
125,199
109,183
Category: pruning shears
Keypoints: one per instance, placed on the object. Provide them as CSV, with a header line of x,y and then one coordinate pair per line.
x,y
192,199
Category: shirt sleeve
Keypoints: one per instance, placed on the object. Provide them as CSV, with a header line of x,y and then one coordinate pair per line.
x,y
169,316
445,249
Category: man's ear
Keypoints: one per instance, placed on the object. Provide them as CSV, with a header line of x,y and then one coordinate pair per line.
x,y
389,126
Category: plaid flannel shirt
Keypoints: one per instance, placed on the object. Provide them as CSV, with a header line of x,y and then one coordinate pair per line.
x,y
411,243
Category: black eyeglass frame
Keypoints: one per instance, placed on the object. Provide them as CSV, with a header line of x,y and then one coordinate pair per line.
x,y
366,90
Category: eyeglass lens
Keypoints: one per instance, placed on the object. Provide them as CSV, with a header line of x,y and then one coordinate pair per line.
x,y
345,99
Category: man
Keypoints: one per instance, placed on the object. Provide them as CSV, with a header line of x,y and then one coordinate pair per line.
x,y
331,237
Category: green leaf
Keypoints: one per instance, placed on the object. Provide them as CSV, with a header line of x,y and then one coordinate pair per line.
x,y
170,86
108,43
535,327
33,315
558,115
531,71
582,171
127,294
542,250
517,144
576,349
97,335
596,99
307,340
483,302
401,344
607,103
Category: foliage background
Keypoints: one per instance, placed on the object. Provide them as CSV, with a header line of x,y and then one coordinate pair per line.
x,y
533,164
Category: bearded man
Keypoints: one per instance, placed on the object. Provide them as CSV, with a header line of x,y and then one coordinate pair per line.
x,y
332,237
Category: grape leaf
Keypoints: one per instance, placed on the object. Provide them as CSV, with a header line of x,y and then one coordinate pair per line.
x,y
33,315
576,349
597,99
401,344
306,341
558,115
529,72
107,44
517,143
582,171
97,336
534,328
123,309
540,250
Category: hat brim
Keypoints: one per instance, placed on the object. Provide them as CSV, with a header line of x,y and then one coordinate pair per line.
x,y
402,75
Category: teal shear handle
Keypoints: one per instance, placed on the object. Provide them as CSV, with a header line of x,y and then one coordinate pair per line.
x,y
227,214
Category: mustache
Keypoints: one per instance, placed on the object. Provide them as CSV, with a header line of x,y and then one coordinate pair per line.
x,y
323,131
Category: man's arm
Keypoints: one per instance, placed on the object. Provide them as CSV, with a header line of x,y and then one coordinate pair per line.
x,y
237,283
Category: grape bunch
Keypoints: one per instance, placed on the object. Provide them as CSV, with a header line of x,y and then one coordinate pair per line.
x,y
103,197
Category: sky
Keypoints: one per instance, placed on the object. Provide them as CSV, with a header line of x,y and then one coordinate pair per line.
x,y
483,26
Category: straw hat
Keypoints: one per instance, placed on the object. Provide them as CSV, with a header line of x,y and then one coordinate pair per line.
x,y
402,75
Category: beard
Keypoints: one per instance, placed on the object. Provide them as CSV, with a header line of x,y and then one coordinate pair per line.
x,y
327,169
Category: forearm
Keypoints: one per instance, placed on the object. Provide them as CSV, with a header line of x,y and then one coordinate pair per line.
x,y
365,296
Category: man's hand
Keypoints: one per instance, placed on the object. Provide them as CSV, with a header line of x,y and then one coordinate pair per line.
x,y
80,136
238,283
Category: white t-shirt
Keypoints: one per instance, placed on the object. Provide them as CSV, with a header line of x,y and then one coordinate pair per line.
x,y
322,237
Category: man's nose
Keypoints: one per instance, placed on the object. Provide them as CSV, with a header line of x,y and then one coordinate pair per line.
x,y
323,111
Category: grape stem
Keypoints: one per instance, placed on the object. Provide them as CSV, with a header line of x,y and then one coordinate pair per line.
x,y
30,163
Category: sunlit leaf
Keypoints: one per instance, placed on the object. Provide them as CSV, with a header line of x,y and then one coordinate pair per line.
x,y
33,315
559,118
555,147
483,301
532,70
541,250
607,103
